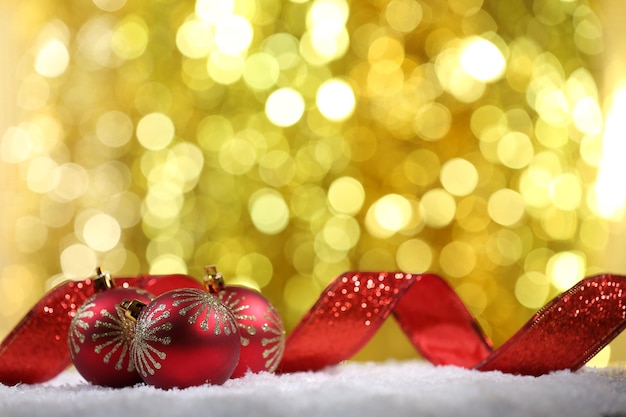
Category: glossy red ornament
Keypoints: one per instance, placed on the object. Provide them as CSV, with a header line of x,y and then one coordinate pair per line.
x,y
260,326
183,338
99,336
261,329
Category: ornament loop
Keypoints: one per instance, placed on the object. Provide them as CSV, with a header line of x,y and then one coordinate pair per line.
x,y
213,280
132,309
102,281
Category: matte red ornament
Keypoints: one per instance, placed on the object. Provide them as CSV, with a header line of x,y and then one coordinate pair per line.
x,y
260,326
183,338
99,338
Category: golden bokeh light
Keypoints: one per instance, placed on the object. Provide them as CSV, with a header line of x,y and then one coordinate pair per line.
x,y
78,260
457,259
459,177
566,268
438,207
155,131
163,264
233,34
335,100
109,5
611,192
346,195
101,232
269,211
532,289
414,255
506,207
284,107
53,59
482,60
288,141
392,212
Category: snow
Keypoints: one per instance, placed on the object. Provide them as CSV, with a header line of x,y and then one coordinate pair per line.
x,y
388,389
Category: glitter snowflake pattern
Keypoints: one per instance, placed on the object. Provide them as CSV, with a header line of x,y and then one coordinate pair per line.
x,y
147,357
114,331
274,343
115,338
78,326
200,305
238,309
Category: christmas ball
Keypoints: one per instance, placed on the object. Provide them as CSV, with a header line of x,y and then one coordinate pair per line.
x,y
99,337
185,337
260,327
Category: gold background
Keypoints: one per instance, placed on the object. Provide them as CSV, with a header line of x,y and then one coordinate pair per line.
x,y
290,141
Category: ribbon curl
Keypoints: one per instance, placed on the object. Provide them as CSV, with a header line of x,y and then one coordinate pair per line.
x,y
564,334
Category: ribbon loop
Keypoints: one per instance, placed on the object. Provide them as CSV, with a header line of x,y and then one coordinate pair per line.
x,y
354,306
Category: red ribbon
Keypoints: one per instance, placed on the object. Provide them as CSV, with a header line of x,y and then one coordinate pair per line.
x,y
565,334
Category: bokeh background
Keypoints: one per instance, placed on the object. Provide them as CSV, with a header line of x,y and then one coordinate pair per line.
x,y
290,141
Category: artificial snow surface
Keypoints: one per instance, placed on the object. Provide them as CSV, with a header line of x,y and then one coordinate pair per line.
x,y
390,389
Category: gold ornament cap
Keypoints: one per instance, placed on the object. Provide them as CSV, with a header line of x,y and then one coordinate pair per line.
x,y
132,309
213,280
102,281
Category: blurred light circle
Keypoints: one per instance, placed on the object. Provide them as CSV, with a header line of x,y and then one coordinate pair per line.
x,y
459,177
114,128
102,232
269,212
53,59
482,60
284,107
335,100
506,207
438,207
346,195
155,131
78,261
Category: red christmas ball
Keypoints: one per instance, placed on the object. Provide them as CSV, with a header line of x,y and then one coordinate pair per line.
x,y
261,329
99,337
184,338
